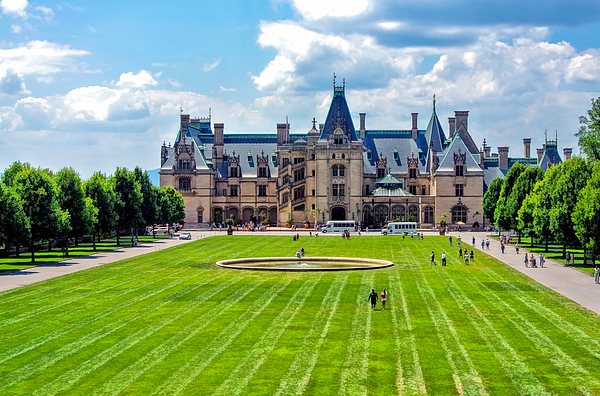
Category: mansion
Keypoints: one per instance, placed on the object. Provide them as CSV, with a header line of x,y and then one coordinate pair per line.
x,y
337,172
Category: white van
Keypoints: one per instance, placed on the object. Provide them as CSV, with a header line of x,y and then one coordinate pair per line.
x,y
400,228
339,226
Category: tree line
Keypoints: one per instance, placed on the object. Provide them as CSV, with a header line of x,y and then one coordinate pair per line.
x,y
39,206
561,205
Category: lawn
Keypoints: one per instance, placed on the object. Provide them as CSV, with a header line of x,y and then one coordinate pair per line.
x,y
46,257
171,322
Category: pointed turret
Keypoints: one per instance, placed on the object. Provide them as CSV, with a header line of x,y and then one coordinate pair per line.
x,y
435,134
338,126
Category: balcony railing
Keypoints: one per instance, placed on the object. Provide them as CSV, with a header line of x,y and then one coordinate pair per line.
x,y
298,200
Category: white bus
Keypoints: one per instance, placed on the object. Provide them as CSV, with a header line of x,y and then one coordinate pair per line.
x,y
400,228
339,226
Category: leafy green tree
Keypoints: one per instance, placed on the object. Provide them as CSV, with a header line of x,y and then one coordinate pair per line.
x,y
544,201
586,217
523,186
71,198
525,216
172,208
149,197
128,201
9,174
37,190
99,189
589,132
572,179
503,213
490,198
14,223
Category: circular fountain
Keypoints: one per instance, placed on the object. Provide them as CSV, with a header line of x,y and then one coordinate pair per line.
x,y
307,264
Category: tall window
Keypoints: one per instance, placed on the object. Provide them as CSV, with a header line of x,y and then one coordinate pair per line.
x,y
428,215
200,216
286,162
342,170
381,214
262,172
184,164
412,190
233,191
298,160
334,190
459,213
398,213
334,170
299,192
285,197
262,191
299,174
185,184
338,140
342,190
412,173
459,190
380,173
224,192
459,170
234,171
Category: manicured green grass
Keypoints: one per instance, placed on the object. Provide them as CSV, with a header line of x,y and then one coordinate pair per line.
x,y
46,257
171,322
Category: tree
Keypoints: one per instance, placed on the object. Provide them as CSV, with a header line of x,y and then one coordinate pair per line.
x,y
316,212
502,213
586,217
99,189
571,180
525,216
38,191
71,198
171,206
490,198
149,206
128,200
589,132
10,173
522,187
14,223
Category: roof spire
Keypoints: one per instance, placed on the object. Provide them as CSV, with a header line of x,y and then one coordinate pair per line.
x,y
434,103
314,122
333,80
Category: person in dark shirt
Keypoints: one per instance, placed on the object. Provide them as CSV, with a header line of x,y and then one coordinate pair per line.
x,y
373,297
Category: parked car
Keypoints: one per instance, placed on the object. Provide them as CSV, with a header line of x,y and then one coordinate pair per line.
x,y
162,230
185,235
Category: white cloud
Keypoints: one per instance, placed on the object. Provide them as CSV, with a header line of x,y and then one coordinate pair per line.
x,y
174,83
14,7
46,13
142,79
210,66
12,83
16,29
317,9
9,120
45,79
584,68
223,89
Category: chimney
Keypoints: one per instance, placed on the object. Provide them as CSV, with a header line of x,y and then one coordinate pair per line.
x,y
567,151
218,143
451,126
540,153
321,127
461,120
185,120
487,150
283,133
362,125
503,158
415,131
527,147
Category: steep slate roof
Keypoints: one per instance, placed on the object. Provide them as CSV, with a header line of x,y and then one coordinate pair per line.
x,y
383,145
339,116
490,174
435,133
249,168
550,157
447,163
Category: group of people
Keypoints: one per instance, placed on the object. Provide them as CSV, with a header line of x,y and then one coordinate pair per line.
x,y
373,297
346,234
461,253
530,261
300,253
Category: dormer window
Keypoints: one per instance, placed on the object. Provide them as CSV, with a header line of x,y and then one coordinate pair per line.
x,y
369,155
274,159
412,173
262,172
395,155
459,170
380,173
233,171
338,136
225,158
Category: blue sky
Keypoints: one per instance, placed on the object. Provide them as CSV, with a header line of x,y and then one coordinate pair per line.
x,y
95,85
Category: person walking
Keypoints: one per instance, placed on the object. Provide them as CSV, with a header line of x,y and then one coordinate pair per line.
x,y
302,251
526,261
472,256
597,275
517,248
482,244
433,258
383,298
473,241
450,239
373,298
443,259
466,259
502,248
487,243
459,253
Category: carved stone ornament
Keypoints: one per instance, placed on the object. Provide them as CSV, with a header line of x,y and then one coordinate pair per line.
x,y
262,159
412,161
460,158
381,162
233,159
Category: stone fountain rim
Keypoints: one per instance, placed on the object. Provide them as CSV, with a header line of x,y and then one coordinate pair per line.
x,y
375,263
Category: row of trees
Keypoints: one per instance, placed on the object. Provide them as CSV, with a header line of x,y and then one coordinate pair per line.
x,y
37,205
561,205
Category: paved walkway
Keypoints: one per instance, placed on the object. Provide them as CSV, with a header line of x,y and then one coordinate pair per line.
x,y
568,281
27,276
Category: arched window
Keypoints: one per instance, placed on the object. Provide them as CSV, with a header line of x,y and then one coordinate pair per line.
x,y
343,156
428,215
459,213
332,156
413,213
334,170
381,215
398,213
342,169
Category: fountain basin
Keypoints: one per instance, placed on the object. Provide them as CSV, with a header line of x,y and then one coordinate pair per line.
x,y
307,264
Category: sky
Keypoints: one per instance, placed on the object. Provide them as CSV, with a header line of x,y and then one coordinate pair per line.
x,y
96,85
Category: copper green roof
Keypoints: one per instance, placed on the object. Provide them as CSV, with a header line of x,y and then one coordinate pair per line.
x,y
390,192
389,181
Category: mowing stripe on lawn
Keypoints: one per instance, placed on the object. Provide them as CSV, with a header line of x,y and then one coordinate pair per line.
x,y
258,354
583,339
194,366
299,373
566,364
512,363
61,331
414,382
128,375
465,374
354,376
51,358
